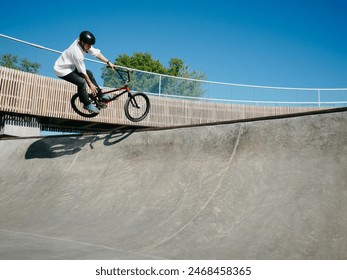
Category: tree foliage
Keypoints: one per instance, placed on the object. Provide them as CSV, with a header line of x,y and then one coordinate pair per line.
x,y
153,83
12,61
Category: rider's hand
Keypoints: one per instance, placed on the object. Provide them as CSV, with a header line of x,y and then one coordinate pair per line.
x,y
111,65
93,88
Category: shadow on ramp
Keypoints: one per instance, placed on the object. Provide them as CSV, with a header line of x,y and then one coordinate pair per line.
x,y
52,147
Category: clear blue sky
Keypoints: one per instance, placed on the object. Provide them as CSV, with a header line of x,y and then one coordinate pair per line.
x,y
294,43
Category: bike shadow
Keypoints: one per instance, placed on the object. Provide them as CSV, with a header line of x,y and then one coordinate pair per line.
x,y
53,147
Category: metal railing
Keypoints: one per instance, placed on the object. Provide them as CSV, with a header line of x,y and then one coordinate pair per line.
x,y
210,91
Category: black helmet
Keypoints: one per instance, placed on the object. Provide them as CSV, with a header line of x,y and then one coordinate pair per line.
x,y
87,37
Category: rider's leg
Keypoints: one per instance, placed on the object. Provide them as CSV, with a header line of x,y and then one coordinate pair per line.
x,y
78,79
80,82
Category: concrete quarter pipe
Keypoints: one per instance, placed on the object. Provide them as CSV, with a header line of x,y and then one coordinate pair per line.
x,y
273,189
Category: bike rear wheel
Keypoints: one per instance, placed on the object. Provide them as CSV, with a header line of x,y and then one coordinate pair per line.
x,y
137,107
77,106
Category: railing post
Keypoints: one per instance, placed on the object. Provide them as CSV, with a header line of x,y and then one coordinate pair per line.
x,y
319,98
159,84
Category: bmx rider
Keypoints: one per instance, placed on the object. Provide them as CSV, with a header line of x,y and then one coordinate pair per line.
x,y
70,67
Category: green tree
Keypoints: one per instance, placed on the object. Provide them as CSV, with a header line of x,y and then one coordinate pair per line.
x,y
182,86
151,83
12,61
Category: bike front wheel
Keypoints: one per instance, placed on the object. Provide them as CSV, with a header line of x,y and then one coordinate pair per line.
x,y
137,107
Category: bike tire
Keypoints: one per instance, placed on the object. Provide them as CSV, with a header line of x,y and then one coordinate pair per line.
x,y
137,107
77,106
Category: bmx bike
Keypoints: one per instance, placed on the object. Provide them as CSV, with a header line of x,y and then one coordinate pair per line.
x,y
136,106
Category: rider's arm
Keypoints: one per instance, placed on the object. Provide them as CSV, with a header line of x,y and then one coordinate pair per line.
x,y
81,68
90,84
101,57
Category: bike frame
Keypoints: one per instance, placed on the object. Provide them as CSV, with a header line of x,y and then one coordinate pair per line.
x,y
123,89
136,106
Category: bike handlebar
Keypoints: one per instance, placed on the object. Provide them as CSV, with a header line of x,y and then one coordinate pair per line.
x,y
124,71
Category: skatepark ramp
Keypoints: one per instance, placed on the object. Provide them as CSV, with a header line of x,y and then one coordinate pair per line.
x,y
270,189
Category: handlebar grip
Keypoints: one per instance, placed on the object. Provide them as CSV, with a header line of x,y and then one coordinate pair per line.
x,y
121,69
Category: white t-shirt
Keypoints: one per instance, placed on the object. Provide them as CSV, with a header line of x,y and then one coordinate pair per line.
x,y
71,59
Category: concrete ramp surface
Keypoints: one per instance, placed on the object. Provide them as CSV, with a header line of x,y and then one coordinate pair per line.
x,y
273,189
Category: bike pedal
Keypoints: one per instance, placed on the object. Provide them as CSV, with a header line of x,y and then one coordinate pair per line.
x,y
103,105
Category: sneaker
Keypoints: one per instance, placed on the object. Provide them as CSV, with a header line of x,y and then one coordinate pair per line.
x,y
105,97
91,108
